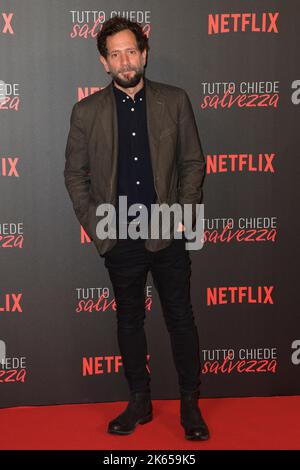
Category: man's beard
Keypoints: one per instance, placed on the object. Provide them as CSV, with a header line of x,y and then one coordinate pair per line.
x,y
130,82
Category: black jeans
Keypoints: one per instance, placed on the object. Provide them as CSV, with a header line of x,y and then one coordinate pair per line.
x,y
128,263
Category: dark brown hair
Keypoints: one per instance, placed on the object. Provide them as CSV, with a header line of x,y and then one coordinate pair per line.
x,y
115,25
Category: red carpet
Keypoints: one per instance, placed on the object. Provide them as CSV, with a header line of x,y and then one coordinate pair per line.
x,y
235,423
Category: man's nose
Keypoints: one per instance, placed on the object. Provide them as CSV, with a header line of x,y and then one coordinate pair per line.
x,y
124,59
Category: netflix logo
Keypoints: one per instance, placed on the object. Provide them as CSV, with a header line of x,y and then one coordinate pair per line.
x,y
9,166
84,238
240,162
10,303
83,92
239,295
104,365
220,23
6,23
99,299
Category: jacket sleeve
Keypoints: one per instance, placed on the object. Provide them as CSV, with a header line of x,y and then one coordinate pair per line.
x,y
76,172
191,162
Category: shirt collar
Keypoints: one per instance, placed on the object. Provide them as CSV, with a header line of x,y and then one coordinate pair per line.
x,y
121,94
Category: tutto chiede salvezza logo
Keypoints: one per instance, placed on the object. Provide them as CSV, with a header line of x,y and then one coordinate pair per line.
x,y
101,300
241,229
227,95
11,234
9,96
165,222
87,23
12,369
241,361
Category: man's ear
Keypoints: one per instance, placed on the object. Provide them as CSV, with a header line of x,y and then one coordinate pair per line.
x,y
104,62
144,55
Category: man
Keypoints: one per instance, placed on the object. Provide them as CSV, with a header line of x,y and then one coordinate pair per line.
x,y
138,138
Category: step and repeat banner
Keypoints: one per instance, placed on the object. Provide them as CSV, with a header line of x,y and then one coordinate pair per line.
x,y
239,63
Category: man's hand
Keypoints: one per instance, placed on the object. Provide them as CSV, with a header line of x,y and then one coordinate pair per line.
x,y
180,227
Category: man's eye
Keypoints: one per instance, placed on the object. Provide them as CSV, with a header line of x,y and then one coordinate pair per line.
x,y
132,52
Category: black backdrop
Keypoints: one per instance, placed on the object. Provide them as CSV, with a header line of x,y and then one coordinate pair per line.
x,y
57,313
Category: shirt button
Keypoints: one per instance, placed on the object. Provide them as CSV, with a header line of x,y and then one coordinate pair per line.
x,y
124,101
127,97
136,158
132,109
138,182
141,99
133,133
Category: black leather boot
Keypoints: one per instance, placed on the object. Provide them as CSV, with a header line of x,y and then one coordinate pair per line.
x,y
138,411
190,417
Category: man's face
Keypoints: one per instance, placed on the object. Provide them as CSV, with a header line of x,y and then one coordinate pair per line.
x,y
124,62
